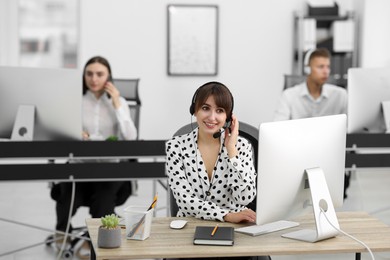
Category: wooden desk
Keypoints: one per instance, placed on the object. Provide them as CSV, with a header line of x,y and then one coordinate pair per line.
x,y
168,243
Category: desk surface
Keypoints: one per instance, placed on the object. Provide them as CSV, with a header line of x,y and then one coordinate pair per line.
x,y
168,243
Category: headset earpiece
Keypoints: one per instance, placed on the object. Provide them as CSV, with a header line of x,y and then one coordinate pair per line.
x,y
192,109
307,70
306,65
193,101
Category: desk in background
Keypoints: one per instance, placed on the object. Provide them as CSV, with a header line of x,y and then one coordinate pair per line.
x,y
169,243
38,160
359,154
367,151
17,160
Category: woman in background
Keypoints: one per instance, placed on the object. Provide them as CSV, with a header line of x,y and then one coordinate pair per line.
x,y
105,112
106,115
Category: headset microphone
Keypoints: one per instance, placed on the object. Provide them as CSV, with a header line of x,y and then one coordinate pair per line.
x,y
218,134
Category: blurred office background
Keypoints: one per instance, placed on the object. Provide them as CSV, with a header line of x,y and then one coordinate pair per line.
x,y
255,50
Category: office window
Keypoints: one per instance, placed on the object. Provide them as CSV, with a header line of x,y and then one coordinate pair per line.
x,y
48,33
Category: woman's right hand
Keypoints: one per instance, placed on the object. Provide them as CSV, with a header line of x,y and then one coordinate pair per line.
x,y
247,215
114,93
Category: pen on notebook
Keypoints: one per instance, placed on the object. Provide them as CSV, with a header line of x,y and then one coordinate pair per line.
x,y
214,230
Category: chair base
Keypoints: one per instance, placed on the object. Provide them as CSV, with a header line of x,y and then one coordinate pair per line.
x,y
71,247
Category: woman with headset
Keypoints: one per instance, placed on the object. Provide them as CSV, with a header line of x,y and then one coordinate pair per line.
x,y
210,170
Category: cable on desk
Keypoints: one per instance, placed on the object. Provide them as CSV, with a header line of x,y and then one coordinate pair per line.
x,y
66,234
348,235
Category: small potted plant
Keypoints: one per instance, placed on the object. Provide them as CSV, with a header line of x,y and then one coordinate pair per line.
x,y
109,234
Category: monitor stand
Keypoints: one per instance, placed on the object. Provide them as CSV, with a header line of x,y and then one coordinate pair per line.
x,y
321,199
23,129
386,115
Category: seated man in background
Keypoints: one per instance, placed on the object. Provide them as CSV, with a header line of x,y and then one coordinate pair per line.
x,y
314,97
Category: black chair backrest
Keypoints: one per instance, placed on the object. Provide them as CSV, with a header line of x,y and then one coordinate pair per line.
x,y
129,90
247,131
292,80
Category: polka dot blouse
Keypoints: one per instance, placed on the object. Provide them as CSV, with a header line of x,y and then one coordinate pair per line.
x,y
232,185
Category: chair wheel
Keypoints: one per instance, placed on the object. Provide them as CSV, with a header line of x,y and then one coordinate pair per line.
x,y
49,240
67,254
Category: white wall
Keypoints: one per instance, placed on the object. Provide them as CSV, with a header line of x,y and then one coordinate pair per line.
x,y
9,47
375,34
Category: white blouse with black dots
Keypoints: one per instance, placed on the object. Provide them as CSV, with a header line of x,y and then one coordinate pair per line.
x,y
231,188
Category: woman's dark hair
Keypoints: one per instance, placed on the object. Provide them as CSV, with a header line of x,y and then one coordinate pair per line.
x,y
222,96
96,59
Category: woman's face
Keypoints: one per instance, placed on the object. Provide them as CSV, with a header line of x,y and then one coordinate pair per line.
x,y
210,117
96,76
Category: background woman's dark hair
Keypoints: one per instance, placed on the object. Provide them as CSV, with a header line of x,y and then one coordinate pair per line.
x,y
96,59
222,95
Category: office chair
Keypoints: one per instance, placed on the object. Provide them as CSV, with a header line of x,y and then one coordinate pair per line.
x,y
292,80
129,90
247,131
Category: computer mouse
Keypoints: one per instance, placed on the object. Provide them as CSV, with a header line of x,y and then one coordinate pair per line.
x,y
178,224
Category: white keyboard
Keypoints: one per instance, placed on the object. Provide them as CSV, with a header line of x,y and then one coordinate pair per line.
x,y
256,230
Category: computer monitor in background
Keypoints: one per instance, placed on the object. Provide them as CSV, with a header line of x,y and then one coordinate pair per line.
x,y
55,94
367,89
288,152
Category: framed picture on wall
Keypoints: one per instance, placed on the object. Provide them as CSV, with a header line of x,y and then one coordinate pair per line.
x,y
192,40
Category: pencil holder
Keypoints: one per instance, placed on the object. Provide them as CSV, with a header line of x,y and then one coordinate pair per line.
x,y
138,222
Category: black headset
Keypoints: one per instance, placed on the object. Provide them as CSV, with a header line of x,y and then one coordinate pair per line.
x,y
192,107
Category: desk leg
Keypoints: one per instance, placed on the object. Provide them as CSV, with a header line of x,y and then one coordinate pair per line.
x,y
93,255
358,256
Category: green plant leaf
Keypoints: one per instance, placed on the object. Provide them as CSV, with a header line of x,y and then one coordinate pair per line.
x,y
110,221
112,138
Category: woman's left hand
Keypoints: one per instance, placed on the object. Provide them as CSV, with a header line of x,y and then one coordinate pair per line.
x,y
231,136
247,215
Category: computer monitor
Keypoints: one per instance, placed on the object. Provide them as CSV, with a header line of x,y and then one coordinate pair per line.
x,y
367,89
288,152
55,96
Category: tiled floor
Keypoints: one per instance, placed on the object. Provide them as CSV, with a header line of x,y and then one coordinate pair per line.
x,y
29,202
